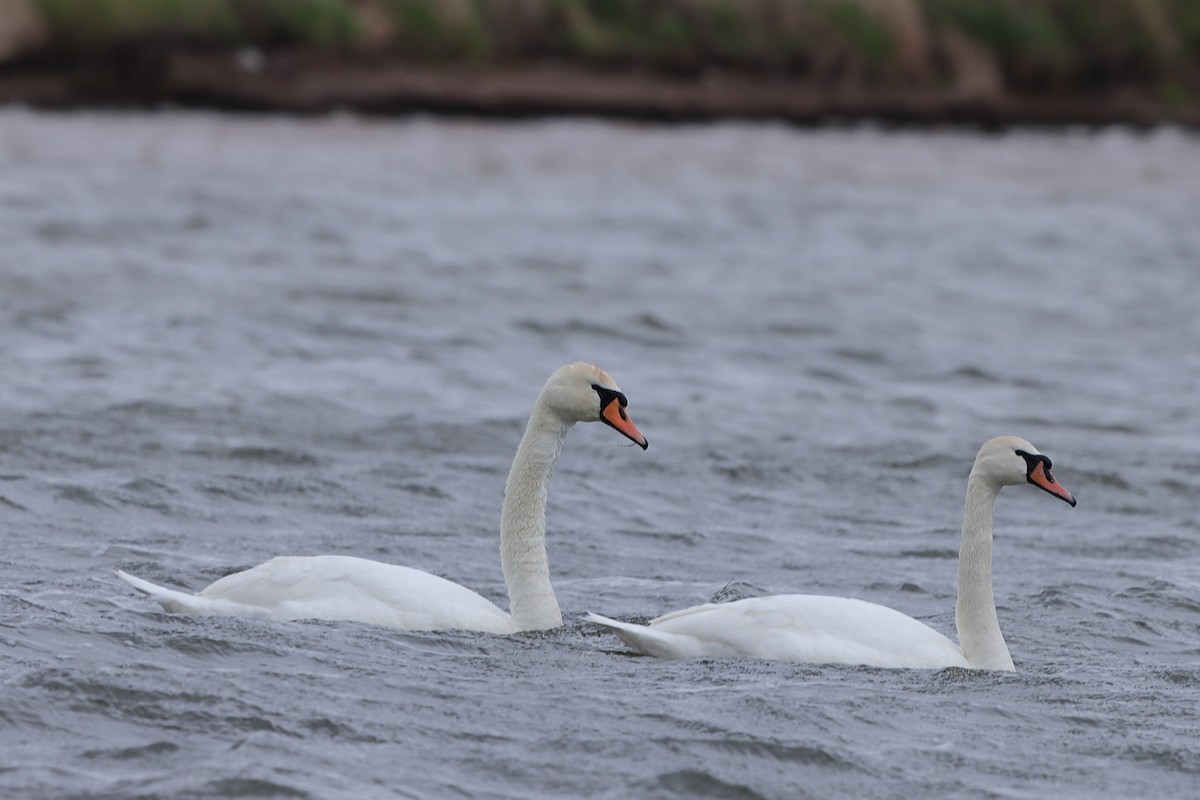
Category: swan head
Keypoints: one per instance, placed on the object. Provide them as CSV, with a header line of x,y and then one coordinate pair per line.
x,y
1011,460
582,392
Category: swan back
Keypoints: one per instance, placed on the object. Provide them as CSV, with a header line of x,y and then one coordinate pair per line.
x,y
345,587
809,629
817,629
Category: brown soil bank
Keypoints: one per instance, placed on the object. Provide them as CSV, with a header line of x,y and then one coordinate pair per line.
x,y
986,61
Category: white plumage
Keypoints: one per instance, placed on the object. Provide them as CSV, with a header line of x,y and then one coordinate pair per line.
x,y
817,629
348,588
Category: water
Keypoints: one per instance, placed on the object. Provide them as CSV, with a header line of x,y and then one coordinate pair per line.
x,y
227,338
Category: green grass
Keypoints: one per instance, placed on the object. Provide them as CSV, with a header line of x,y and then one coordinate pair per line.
x,y
863,32
1184,17
429,29
1073,43
1008,28
90,21
323,23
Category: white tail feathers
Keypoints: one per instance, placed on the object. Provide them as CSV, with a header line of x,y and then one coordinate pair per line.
x,y
648,641
178,602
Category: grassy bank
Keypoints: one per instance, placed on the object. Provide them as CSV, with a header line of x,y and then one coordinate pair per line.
x,y
976,48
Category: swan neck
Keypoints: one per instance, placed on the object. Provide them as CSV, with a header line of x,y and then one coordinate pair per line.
x,y
523,523
979,633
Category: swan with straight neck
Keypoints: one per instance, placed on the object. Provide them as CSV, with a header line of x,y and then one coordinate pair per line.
x,y
335,587
817,629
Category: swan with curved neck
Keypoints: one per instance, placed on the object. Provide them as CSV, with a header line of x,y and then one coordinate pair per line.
x,y
356,589
839,630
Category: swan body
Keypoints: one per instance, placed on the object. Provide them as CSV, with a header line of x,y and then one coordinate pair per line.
x,y
806,628
838,630
332,587
338,588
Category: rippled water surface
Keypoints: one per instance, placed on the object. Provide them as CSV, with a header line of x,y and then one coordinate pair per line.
x,y
228,338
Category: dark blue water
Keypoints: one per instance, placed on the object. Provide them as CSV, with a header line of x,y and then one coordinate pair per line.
x,y
226,339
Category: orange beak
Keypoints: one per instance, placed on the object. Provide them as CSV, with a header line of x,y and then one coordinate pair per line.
x,y
615,416
1041,478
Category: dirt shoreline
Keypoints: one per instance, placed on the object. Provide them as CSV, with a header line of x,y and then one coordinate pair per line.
x,y
302,81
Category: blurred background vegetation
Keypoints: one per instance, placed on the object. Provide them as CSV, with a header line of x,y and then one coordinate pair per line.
x,y
975,48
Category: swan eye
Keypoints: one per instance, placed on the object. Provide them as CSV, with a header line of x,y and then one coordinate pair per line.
x,y
1032,461
1037,472
608,395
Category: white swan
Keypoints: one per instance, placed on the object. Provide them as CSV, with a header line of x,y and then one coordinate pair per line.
x,y
347,588
839,630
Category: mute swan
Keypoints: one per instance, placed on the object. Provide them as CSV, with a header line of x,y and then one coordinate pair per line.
x,y
355,589
839,630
